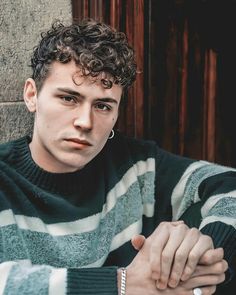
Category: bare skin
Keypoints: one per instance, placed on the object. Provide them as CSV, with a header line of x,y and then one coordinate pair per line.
x,y
207,266
74,116
139,280
175,252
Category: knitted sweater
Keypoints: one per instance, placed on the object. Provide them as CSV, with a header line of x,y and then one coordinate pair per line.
x,y
68,233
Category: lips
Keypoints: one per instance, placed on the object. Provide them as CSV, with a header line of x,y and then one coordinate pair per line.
x,y
79,141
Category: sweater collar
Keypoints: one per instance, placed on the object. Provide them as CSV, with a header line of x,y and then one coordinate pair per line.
x,y
54,182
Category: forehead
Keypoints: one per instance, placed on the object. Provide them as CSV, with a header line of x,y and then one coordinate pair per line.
x,y
71,75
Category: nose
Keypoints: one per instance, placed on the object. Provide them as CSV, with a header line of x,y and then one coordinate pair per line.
x,y
83,118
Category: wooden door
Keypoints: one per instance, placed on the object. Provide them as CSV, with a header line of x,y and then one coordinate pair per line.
x,y
184,94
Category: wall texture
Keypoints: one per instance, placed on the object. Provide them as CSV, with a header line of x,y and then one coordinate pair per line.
x,y
21,22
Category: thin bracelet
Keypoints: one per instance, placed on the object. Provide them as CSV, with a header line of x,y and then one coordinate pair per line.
x,y
123,281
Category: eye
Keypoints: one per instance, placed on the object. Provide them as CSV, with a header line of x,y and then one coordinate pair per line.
x,y
103,107
68,98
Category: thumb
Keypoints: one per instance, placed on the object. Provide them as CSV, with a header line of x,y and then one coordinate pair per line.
x,y
138,241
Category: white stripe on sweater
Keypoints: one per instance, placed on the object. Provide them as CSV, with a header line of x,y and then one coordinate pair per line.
x,y
140,168
213,200
119,240
178,192
185,193
126,235
91,222
57,281
5,269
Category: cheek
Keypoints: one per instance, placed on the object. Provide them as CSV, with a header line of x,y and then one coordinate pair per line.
x,y
115,116
51,117
114,119
48,121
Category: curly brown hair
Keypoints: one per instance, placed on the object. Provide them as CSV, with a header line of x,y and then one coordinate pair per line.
x,y
96,48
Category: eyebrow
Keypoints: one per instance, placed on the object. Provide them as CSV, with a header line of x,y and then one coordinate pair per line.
x,y
69,91
75,93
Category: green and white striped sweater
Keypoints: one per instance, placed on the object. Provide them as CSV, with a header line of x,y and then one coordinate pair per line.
x,y
68,233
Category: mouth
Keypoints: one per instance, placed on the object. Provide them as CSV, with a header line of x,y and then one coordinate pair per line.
x,y
78,142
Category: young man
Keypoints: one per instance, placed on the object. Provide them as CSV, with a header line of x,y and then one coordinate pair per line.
x,y
74,194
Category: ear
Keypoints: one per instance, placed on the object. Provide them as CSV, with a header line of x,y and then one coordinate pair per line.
x,y
30,95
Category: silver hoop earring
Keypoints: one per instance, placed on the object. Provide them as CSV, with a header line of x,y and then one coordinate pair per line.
x,y
112,134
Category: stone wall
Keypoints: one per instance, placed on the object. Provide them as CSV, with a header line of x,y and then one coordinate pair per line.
x,y
21,22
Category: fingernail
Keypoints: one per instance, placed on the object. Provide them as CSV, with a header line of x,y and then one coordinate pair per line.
x,y
161,285
172,283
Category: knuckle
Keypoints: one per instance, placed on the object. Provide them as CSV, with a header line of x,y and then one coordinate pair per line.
x,y
193,256
194,231
207,240
165,257
163,223
222,267
183,226
207,258
188,270
179,257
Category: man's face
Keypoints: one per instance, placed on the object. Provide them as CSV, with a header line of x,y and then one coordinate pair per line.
x,y
73,118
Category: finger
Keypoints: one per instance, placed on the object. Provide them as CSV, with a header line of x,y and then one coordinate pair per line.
x,y
204,243
138,241
216,268
206,280
212,256
159,241
177,236
181,256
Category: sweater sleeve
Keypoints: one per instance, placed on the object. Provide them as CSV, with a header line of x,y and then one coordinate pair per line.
x,y
21,277
201,193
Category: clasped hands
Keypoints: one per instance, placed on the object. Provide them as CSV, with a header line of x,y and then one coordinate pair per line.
x,y
173,261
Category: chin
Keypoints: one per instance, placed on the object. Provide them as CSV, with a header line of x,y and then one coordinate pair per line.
x,y
74,162
76,165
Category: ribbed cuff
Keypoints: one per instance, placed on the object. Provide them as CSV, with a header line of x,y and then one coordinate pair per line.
x,y
224,236
92,281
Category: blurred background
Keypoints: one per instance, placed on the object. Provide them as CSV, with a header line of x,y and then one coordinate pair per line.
x,y
185,90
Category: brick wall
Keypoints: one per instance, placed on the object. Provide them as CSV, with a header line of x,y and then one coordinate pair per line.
x,y
21,22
